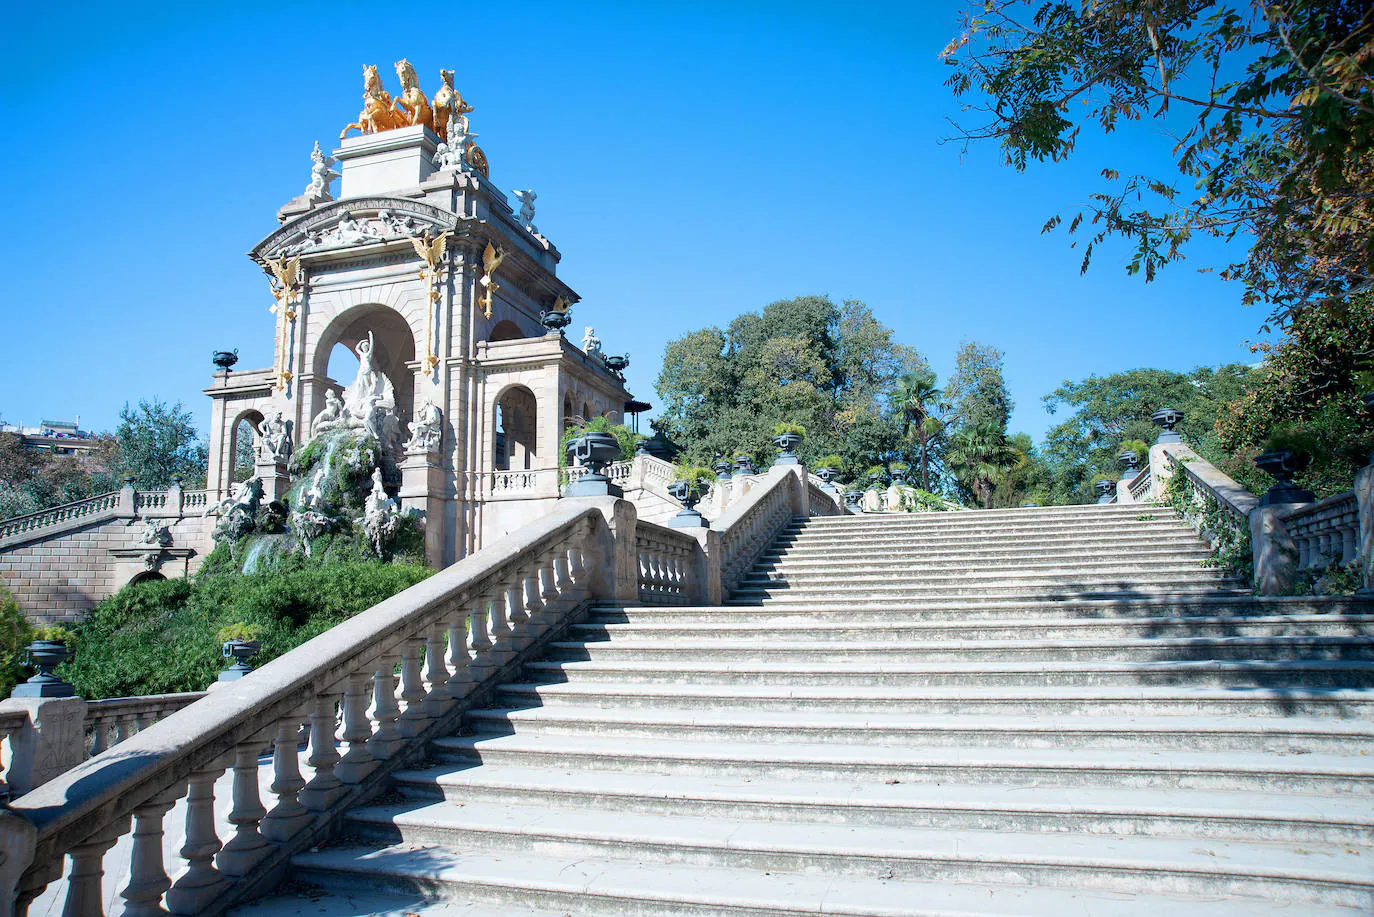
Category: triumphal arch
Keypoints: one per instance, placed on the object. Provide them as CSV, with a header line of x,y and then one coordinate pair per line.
x,y
421,264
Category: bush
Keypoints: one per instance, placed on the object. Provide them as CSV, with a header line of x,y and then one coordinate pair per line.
x,y
15,634
833,462
624,436
162,636
780,428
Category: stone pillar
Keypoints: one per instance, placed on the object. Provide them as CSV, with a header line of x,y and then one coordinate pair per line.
x,y
276,481
1364,539
892,499
51,741
704,584
873,501
1274,551
1123,490
174,497
422,490
18,840
1161,470
613,556
128,500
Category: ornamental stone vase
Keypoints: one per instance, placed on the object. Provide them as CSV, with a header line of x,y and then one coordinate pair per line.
x,y
722,468
1167,419
1105,491
689,494
744,465
899,474
46,655
787,445
554,321
593,451
1130,464
828,476
854,499
240,651
1282,464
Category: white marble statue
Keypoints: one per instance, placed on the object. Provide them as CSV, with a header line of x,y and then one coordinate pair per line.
x,y
274,439
426,430
453,153
243,498
367,405
381,514
591,344
527,198
321,175
331,417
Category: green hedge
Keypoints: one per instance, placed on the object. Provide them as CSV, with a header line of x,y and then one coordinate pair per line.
x,y
160,636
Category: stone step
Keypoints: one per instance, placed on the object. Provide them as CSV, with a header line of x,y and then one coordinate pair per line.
x,y
615,887
843,595
605,626
979,520
1303,674
798,610
1283,648
950,807
1318,775
1018,700
1088,570
1086,576
991,516
1289,735
842,558
1120,864
1143,535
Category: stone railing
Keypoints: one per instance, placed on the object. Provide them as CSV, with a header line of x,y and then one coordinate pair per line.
x,y
19,525
111,721
451,636
667,564
1217,507
524,481
821,502
11,723
618,472
1141,487
1326,532
751,523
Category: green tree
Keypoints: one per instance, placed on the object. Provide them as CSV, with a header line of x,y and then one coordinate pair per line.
x,y
32,480
977,393
916,398
157,442
1271,105
1107,410
980,456
1030,477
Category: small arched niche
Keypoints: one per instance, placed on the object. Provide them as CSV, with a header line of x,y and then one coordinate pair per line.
x,y
506,330
393,349
243,461
516,429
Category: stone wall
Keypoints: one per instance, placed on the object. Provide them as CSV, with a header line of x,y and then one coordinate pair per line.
x,y
59,572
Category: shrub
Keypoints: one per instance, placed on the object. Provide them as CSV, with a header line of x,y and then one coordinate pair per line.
x,y
915,500
1138,446
15,634
627,439
161,636
780,428
53,633
833,462
697,475
239,633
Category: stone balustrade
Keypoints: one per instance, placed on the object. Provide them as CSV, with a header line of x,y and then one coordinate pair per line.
x,y
1326,532
667,562
102,504
1141,487
11,722
751,523
111,721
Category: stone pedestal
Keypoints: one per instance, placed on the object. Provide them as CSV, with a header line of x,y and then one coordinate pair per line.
x,y
422,489
1275,554
51,741
386,162
1161,469
873,501
276,481
1364,499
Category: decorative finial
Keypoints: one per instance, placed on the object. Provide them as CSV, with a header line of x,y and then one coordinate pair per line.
x,y
321,175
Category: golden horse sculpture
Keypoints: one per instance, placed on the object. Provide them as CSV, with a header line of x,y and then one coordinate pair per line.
x,y
448,101
412,106
378,113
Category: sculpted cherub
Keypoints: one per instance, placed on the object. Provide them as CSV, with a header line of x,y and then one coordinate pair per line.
x,y
412,107
448,105
377,114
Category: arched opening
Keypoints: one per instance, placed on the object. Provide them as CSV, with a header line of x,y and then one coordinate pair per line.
x,y
586,411
506,330
242,458
393,348
567,412
516,429
147,576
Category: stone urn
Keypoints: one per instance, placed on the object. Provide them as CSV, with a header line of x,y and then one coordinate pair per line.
x,y
689,494
617,365
1167,419
225,359
46,655
744,464
722,468
828,476
854,500
1282,464
899,473
787,444
1105,491
593,451
240,651
1130,464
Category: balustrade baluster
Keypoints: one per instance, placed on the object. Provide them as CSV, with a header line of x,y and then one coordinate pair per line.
x,y
85,897
560,572
578,566
122,727
550,588
459,656
148,879
385,711
499,625
201,883
1348,551
437,699
99,727
481,665
325,786
413,718
247,847
519,619
288,816
534,600
357,762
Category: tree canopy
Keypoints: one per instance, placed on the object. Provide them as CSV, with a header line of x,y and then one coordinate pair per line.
x,y
1272,109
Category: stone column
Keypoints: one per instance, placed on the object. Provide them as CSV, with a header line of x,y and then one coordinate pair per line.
x,y
276,481
422,489
1161,470
1274,551
1364,538
51,741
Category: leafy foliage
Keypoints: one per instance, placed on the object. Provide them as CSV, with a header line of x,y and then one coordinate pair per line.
x,y
157,442
1272,105
15,634
162,636
980,455
32,480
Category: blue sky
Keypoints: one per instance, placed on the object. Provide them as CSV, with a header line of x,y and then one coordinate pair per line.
x,y
692,161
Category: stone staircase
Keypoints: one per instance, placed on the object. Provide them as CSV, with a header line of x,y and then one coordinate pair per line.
x,y
1047,711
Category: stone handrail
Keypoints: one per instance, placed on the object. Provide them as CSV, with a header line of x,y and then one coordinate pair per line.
x,y
1141,486
751,523
11,721
18,525
1206,480
111,721
1327,532
618,472
666,562
451,635
821,502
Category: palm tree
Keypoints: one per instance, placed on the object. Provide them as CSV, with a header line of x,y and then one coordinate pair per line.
x,y
914,396
981,455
